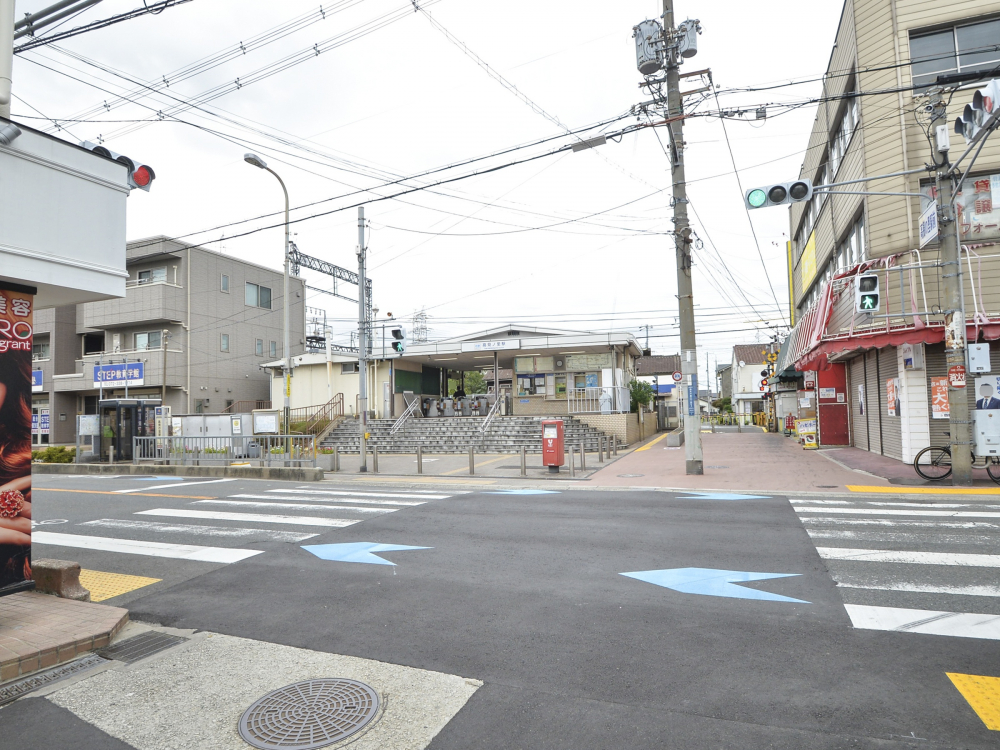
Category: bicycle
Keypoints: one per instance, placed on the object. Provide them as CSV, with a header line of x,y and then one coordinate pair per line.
x,y
938,464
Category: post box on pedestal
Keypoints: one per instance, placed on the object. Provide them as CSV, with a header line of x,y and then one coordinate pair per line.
x,y
553,444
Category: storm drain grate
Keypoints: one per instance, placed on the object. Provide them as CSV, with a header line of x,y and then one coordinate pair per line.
x,y
14,690
140,646
309,714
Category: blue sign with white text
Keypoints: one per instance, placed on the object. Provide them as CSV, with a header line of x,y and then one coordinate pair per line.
x,y
119,376
36,381
692,395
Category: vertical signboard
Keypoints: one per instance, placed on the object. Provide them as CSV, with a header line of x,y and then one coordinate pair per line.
x,y
15,437
939,398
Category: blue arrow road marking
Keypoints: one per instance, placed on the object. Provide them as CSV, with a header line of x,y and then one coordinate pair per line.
x,y
721,496
524,492
358,552
711,582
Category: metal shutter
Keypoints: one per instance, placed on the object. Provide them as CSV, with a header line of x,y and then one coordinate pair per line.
x,y
859,421
874,401
937,367
892,427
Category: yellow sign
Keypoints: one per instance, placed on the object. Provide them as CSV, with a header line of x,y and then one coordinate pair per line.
x,y
807,264
288,385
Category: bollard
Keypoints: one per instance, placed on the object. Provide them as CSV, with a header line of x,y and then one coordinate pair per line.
x,y
572,462
583,456
524,463
375,459
472,460
336,458
614,444
420,459
600,449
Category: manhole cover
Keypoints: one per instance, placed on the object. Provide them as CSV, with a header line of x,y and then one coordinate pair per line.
x,y
629,476
309,714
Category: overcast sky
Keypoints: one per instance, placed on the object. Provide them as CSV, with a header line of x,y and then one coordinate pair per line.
x,y
391,95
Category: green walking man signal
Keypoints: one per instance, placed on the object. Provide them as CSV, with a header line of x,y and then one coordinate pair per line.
x,y
867,293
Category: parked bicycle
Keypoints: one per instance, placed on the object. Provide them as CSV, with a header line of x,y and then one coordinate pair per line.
x,y
934,464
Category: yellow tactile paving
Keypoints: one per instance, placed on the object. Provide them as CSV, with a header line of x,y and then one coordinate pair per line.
x,y
107,585
896,490
651,443
982,693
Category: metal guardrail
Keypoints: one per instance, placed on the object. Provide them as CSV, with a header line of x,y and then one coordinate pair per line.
x,y
314,419
257,450
245,407
598,400
409,411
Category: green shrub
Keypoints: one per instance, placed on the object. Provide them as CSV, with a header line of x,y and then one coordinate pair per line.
x,y
54,454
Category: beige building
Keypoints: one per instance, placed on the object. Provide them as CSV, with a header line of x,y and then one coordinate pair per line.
x,y
887,58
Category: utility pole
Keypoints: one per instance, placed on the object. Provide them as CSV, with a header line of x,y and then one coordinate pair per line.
x,y
163,383
682,243
954,318
362,343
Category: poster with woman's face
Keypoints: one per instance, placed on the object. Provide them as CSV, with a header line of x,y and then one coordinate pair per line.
x,y
15,438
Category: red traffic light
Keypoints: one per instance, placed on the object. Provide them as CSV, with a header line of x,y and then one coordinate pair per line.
x,y
142,176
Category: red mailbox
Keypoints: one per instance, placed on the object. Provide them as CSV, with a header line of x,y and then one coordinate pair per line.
x,y
553,444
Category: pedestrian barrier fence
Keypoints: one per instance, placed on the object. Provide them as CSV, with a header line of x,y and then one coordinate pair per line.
x,y
598,400
744,420
257,450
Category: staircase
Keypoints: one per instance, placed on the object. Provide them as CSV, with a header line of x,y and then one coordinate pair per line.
x,y
458,434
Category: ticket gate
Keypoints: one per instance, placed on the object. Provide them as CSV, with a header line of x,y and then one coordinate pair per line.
x,y
121,420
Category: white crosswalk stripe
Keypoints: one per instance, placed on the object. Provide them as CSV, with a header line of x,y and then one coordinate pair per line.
x,y
246,518
911,567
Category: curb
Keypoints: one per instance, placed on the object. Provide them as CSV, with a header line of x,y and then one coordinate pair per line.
x,y
291,474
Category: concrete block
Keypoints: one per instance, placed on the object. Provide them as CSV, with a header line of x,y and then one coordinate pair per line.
x,y
59,577
675,438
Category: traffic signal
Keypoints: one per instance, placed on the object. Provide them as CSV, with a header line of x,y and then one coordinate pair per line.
x,y
867,293
776,195
984,103
139,175
399,340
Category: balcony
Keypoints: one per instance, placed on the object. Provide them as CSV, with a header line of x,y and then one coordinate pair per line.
x,y
83,378
149,302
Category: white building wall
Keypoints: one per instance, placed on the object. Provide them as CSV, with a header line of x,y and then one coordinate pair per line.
x,y
913,403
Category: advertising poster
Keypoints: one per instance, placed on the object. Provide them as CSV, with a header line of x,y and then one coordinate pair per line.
x,y
15,437
892,396
988,392
939,398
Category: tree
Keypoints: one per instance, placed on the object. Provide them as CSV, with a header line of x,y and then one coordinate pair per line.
x,y
475,383
640,392
724,405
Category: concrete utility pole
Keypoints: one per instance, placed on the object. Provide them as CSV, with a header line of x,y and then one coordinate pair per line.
x,y
362,343
954,318
163,384
682,242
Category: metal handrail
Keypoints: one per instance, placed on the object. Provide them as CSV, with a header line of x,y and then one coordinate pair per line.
x,y
414,405
489,417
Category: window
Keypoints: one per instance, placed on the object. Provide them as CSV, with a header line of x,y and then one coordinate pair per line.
x,y
224,286
40,348
966,48
258,296
153,276
849,120
274,349
531,385
259,348
225,342
148,340
346,368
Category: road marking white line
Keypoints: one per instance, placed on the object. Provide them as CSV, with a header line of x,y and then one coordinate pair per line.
x,y
293,506
197,530
250,517
301,498
958,624
822,520
366,494
152,549
422,492
805,503
888,512
931,536
919,588
172,486
904,556
821,502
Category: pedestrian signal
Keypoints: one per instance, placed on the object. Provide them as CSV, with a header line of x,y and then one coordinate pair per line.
x,y
867,294
399,340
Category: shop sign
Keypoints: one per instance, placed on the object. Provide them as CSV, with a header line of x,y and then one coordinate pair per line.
x,y
956,376
40,422
36,381
978,208
15,436
125,375
491,346
809,380
939,398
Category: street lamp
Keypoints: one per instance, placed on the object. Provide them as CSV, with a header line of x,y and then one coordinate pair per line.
x,y
286,355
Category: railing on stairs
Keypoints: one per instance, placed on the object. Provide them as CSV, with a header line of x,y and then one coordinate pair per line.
x,y
414,405
242,407
312,420
494,410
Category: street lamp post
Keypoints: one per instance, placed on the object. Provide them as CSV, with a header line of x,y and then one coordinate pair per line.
x,y
286,354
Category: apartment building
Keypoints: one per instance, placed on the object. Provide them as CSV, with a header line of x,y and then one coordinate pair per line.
x,y
194,324
880,375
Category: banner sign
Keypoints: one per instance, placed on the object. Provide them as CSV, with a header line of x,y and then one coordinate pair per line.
x,y
36,381
40,422
939,398
491,346
928,225
124,375
16,304
692,395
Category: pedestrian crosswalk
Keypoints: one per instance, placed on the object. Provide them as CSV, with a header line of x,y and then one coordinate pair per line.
x,y
178,530
909,566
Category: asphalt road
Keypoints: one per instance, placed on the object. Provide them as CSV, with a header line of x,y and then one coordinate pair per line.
x,y
526,593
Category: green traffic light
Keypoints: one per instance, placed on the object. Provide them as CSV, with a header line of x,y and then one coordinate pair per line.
x,y
756,198
868,301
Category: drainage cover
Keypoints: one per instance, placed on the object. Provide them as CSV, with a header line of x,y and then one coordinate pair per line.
x,y
309,714
628,476
14,690
140,646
